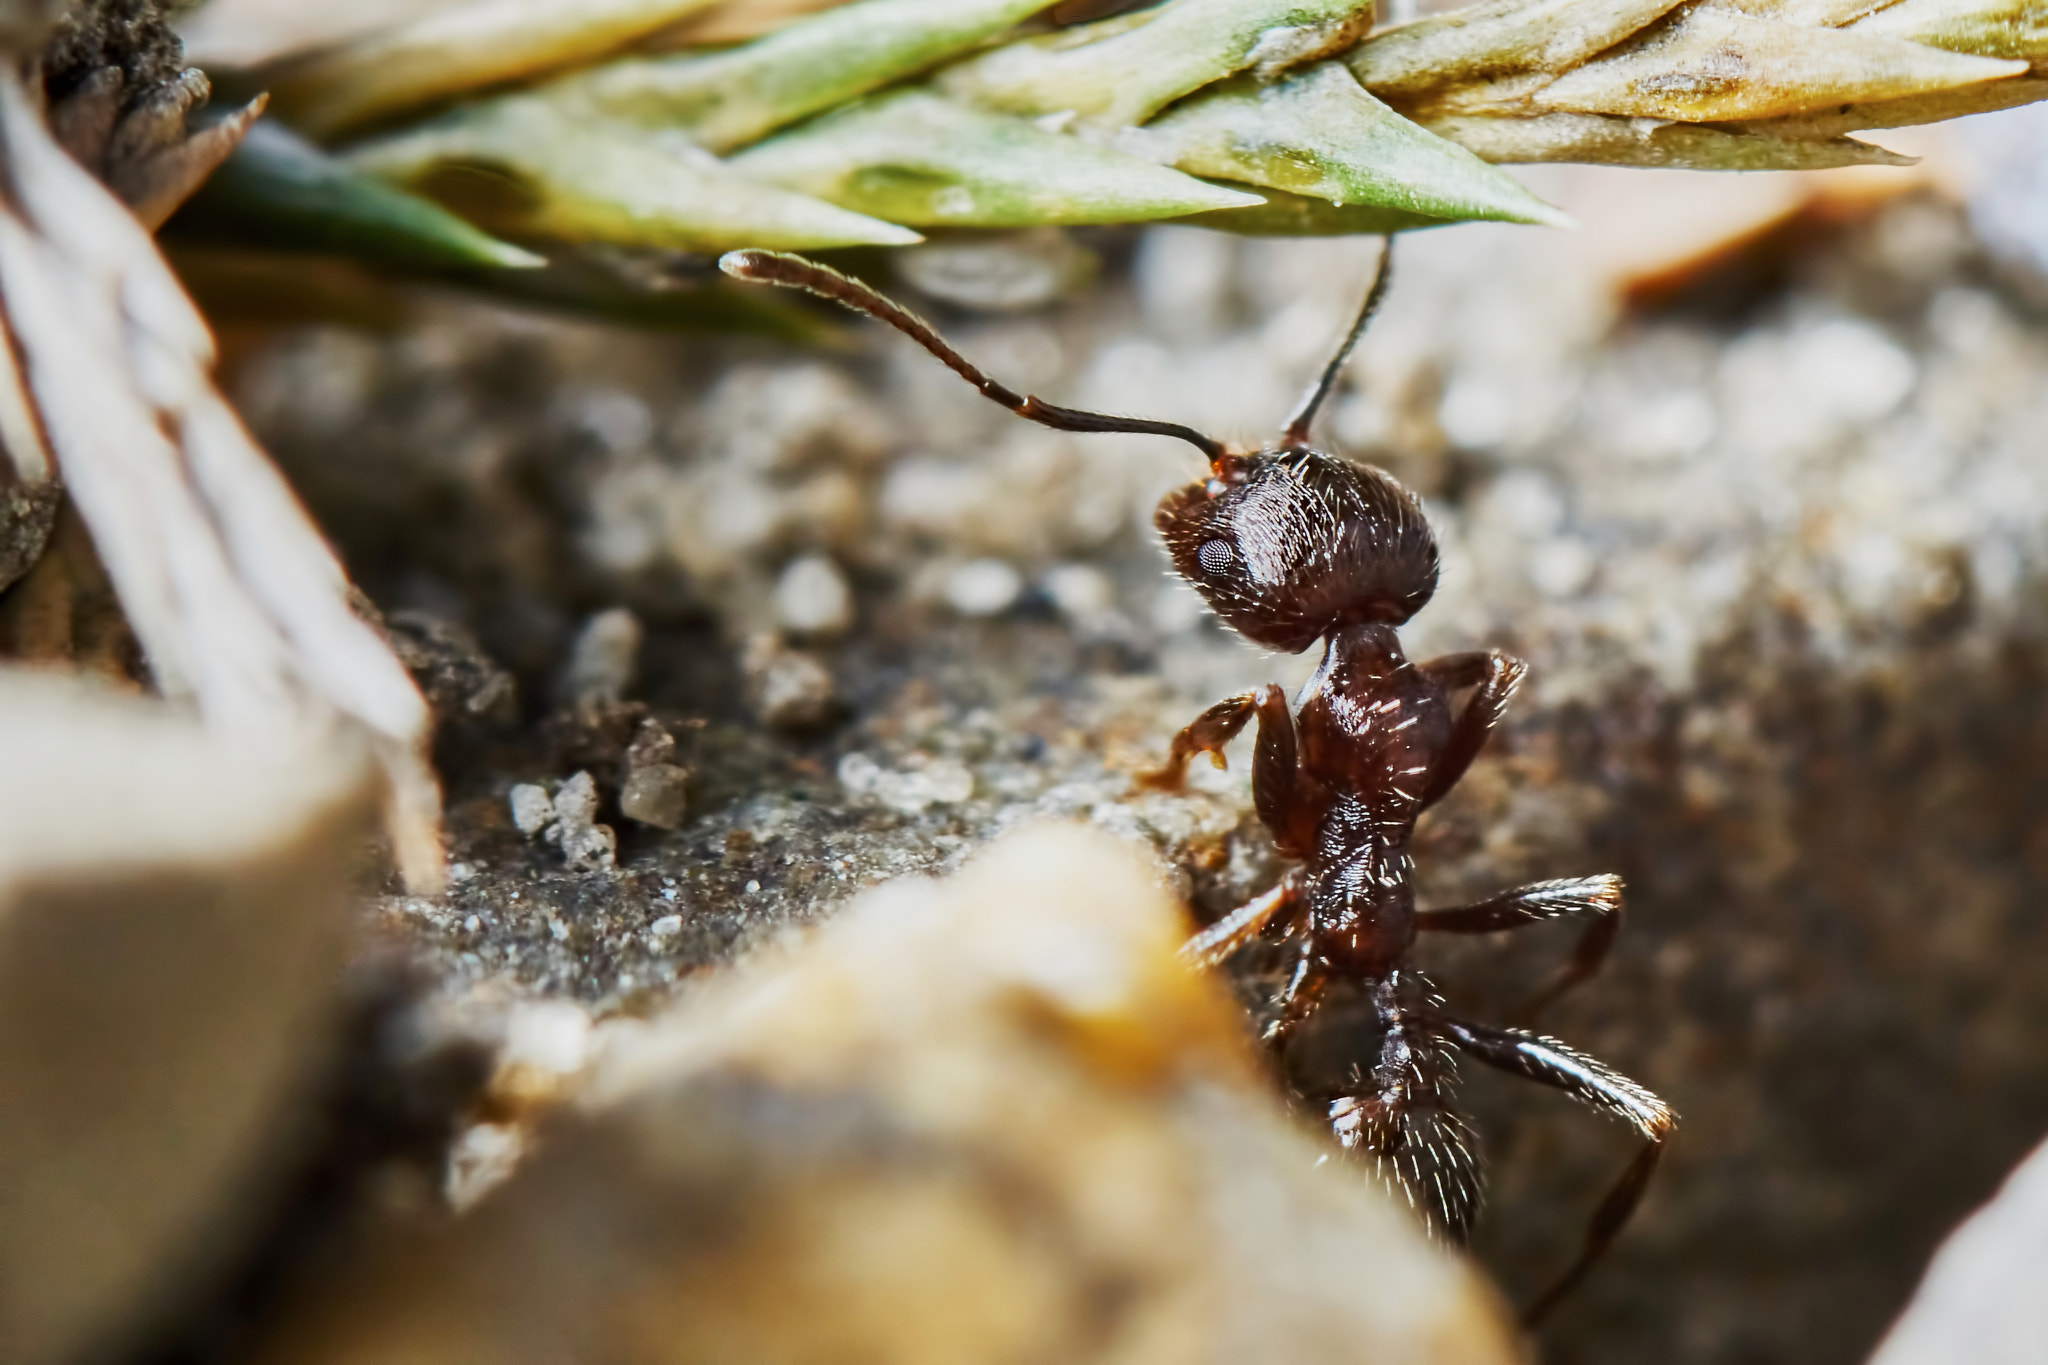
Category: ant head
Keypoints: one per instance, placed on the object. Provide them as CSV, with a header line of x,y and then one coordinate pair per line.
x,y
1288,545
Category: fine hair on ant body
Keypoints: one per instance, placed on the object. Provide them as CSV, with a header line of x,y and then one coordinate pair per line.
x,y
1290,546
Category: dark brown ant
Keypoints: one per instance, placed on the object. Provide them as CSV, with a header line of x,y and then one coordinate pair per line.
x,y
1290,546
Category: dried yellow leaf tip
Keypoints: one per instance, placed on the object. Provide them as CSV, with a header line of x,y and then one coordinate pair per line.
x,y
728,99
1999,28
447,52
1610,141
1497,37
547,173
1123,71
1712,65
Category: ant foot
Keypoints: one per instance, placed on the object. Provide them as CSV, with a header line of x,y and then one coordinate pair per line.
x,y
1173,777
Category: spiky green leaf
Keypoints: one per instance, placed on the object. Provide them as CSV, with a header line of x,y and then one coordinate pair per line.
x,y
281,192
1715,65
1123,71
449,51
528,165
728,99
1497,37
1300,215
1611,141
1318,133
918,158
1988,28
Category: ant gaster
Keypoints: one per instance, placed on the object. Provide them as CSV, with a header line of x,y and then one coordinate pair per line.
x,y
1290,546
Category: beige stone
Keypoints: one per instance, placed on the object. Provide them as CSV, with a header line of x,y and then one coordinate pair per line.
x,y
990,1119
172,929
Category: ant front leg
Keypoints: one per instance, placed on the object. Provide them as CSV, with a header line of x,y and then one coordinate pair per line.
x,y
1277,784
1549,1062
1298,997
1599,897
1496,676
1217,942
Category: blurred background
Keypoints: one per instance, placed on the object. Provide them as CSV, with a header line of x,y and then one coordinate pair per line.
x,y
722,627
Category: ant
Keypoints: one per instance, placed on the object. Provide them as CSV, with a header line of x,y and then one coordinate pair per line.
x,y
1290,546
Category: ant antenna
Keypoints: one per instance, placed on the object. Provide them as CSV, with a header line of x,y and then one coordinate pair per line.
x,y
1295,437
794,272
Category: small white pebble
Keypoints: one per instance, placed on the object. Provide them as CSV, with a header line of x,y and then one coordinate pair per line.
x,y
1081,593
812,597
472,924
1176,608
604,658
752,887
551,1036
983,587
459,873
576,799
532,810
558,931
1561,567
479,1159
668,926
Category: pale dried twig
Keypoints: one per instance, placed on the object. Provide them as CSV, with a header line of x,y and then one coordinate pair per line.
x,y
239,604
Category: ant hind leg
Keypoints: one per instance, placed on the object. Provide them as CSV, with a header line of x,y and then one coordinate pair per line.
x,y
1418,1143
1599,897
1549,1062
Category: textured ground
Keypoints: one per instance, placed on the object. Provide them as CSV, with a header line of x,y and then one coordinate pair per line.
x,y
1776,548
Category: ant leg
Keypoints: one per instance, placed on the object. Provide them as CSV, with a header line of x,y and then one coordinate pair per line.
x,y
1242,925
1281,794
1421,1148
1549,1062
1298,998
1496,675
1206,734
1599,897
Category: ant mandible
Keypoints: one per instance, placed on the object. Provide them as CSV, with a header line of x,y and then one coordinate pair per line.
x,y
1290,546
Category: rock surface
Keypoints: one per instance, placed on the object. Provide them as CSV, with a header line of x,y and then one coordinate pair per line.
x,y
986,1119
1985,1297
1771,537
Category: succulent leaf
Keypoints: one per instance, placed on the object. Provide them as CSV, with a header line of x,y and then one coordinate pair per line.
x,y
1497,37
281,192
728,99
1716,65
1906,113
1301,215
449,51
1122,71
1613,141
1988,28
1318,133
562,174
918,158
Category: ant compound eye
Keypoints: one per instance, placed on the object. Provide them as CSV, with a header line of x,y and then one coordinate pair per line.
x,y
1215,556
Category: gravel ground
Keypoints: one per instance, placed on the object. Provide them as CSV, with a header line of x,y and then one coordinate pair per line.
x,y
1774,543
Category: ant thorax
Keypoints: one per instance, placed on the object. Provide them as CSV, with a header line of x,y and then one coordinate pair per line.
x,y
1371,726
